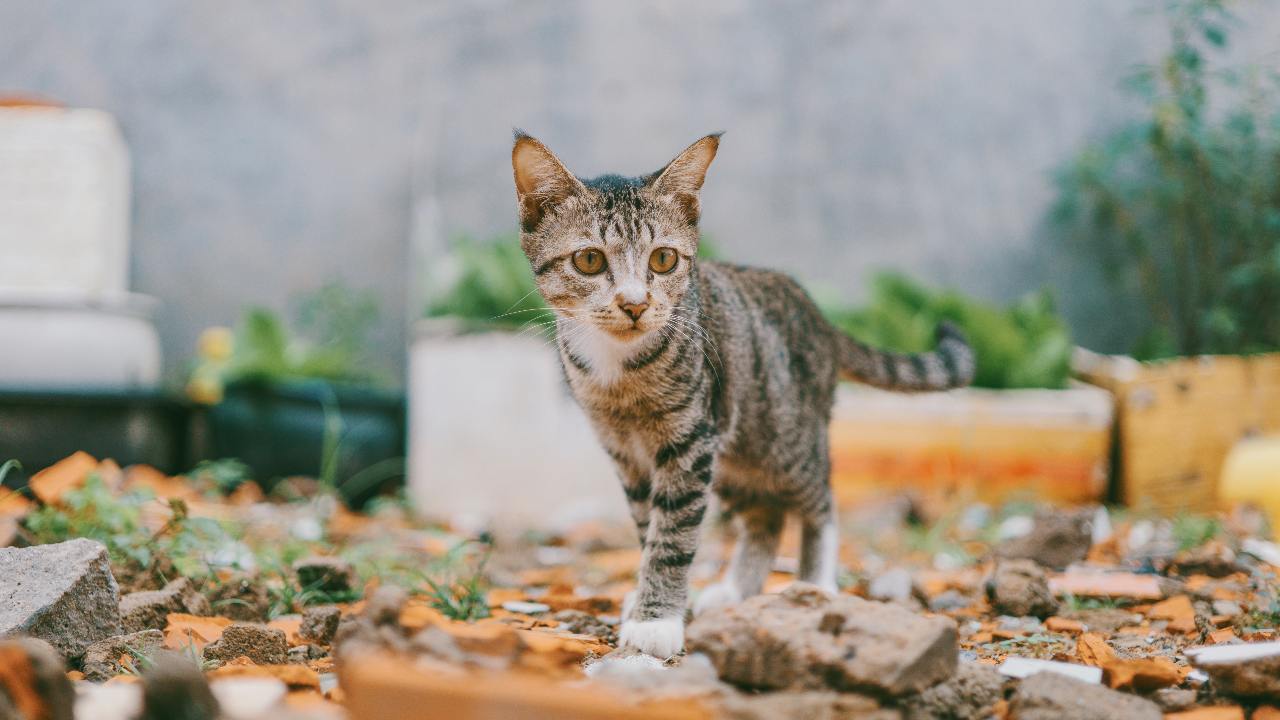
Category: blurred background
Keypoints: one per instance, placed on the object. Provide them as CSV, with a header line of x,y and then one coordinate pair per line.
x,y
313,179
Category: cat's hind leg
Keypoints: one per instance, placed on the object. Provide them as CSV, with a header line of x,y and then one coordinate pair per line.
x,y
820,551
758,532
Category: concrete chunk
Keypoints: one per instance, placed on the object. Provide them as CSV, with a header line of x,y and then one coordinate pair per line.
x,y
63,593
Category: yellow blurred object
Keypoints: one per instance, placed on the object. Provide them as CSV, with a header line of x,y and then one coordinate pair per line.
x,y
205,388
1251,474
216,343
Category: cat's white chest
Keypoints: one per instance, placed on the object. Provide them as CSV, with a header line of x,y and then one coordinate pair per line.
x,y
602,353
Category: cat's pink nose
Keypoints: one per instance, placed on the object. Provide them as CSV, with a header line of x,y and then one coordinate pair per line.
x,y
633,310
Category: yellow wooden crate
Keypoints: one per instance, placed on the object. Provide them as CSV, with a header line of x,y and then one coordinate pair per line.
x,y
1178,419
989,445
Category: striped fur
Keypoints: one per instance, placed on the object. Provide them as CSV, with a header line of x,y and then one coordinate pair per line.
x,y
725,382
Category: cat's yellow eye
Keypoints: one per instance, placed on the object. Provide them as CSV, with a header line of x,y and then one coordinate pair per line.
x,y
589,261
663,260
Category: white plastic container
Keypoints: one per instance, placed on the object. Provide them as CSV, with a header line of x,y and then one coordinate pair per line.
x,y
496,440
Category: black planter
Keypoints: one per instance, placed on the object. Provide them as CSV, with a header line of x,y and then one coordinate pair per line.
x,y
283,429
38,428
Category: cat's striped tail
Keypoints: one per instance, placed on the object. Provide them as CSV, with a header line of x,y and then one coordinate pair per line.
x,y
950,365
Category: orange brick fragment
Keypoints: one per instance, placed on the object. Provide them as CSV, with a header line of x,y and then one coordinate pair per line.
x,y
1141,674
1224,635
1175,608
69,473
1064,625
185,630
1267,712
293,675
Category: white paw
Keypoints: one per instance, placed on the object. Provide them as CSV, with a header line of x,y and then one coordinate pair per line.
x,y
715,596
660,638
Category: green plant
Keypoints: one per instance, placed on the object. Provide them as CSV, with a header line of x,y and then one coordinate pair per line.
x,y
94,511
8,467
330,343
1182,206
224,475
491,284
461,598
1023,346
1192,531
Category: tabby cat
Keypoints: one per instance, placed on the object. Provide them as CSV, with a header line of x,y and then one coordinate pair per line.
x,y
698,376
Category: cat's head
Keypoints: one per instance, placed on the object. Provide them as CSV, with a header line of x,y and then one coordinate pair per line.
x,y
614,253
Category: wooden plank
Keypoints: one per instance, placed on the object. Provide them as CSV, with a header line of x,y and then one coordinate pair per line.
x,y
387,688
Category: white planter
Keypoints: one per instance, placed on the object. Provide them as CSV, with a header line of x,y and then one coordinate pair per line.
x,y
68,341
64,201
496,440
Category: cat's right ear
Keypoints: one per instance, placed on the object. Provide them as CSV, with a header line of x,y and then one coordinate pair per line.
x,y
542,181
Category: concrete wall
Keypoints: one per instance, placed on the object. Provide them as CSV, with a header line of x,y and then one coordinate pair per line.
x,y
278,145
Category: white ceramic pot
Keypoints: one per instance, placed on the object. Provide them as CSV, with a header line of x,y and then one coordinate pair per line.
x,y
55,341
495,438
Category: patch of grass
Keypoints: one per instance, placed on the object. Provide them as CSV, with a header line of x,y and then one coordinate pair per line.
x,y
462,598
8,467
225,475
1192,531
94,511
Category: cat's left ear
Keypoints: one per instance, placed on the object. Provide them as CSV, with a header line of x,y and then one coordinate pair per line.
x,y
682,178
542,181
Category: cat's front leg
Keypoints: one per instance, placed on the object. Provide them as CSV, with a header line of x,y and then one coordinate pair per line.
x,y
655,621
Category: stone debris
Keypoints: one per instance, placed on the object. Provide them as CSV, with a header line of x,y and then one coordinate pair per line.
x,y
1051,696
806,639
261,644
1020,588
807,704
325,574
893,585
62,593
1020,667
1174,699
1245,671
320,624
249,698
526,608
102,660
149,609
1057,539
241,598
173,688
33,681
970,694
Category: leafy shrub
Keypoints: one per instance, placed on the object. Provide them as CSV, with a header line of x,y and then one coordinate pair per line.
x,y
1182,206
330,343
1023,346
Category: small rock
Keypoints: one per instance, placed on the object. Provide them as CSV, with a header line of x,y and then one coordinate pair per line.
x,y
259,643
891,586
385,605
240,598
102,659
583,623
1230,608
807,704
249,698
320,624
1056,540
1050,696
1173,699
1250,670
62,593
175,689
45,670
949,600
970,694
1019,588
1024,667
1104,620
526,608
151,608
806,639
299,654
326,574
646,674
